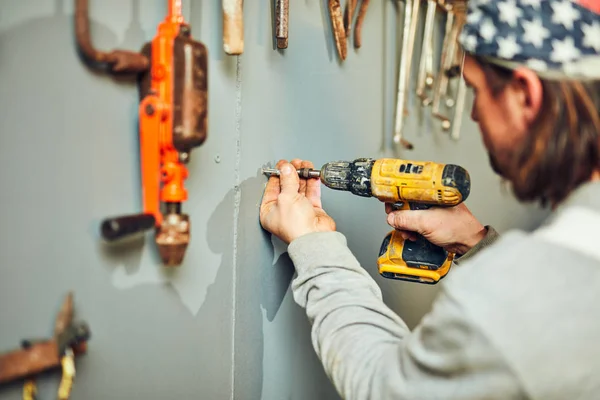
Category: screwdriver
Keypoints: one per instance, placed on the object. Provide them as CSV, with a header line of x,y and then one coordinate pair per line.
x,y
305,173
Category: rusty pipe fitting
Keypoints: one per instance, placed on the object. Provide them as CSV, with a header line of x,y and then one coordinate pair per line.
x,y
119,61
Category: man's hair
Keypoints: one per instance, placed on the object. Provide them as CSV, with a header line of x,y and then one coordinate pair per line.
x,y
562,149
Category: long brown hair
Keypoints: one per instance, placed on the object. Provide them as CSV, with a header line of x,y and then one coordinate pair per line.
x,y
562,149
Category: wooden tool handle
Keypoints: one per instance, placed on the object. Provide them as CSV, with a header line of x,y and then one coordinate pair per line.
x,y
233,27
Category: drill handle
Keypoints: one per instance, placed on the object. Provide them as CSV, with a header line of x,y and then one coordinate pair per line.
x,y
421,251
116,228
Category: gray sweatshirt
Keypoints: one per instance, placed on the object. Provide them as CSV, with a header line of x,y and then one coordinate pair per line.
x,y
516,319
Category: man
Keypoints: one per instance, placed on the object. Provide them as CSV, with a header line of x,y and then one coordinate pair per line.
x,y
518,320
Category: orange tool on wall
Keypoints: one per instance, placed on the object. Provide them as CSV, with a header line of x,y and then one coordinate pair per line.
x,y
172,76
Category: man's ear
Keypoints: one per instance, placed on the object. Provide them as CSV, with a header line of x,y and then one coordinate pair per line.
x,y
530,86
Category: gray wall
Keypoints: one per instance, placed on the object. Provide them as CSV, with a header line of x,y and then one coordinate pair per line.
x,y
224,325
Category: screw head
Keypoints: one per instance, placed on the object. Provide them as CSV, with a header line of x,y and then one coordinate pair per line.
x,y
149,109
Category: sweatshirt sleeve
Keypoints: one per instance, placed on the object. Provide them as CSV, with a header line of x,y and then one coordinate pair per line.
x,y
367,350
489,239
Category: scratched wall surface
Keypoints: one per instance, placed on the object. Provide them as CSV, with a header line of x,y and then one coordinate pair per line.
x,y
223,325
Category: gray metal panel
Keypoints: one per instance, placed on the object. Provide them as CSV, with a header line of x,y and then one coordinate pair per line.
x,y
68,158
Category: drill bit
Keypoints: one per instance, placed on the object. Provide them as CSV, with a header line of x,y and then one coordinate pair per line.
x,y
305,173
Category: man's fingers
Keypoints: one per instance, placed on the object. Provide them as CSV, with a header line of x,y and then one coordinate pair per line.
x,y
273,188
289,180
406,220
406,235
388,208
313,187
297,163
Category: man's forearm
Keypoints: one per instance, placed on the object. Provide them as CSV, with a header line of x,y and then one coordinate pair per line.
x,y
354,332
367,350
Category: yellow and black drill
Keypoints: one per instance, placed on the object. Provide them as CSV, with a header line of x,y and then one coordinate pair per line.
x,y
414,185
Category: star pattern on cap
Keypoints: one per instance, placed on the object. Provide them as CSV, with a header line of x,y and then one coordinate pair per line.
x,y
591,35
535,32
564,13
542,34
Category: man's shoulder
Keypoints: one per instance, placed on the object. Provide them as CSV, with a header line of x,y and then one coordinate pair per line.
x,y
534,299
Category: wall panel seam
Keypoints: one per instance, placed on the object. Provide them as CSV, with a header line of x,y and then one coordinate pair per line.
x,y
236,210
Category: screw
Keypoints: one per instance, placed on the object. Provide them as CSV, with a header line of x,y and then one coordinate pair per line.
x,y
217,158
149,109
184,157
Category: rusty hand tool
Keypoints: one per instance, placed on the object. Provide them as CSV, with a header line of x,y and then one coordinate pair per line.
x,y
70,339
337,24
349,16
458,109
118,61
362,11
449,66
425,79
173,120
411,13
233,26
282,14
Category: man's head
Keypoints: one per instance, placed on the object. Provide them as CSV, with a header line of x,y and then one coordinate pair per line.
x,y
537,104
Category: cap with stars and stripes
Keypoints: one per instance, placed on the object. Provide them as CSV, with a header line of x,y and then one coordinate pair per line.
x,y
556,38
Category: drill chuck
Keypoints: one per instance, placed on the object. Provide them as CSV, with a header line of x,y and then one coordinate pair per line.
x,y
350,176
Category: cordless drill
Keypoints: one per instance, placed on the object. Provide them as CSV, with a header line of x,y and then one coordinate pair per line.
x,y
414,185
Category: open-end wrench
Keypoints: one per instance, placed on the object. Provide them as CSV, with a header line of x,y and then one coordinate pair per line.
x,y
411,10
458,109
441,83
426,78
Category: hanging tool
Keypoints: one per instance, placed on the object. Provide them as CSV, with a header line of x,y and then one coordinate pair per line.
x,y
342,24
173,119
116,61
411,13
70,339
233,26
451,61
349,16
282,14
337,24
460,104
362,11
405,184
426,78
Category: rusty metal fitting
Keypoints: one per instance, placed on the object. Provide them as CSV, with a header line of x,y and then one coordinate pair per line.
x,y
172,238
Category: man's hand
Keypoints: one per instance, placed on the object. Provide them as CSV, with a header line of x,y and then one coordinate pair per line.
x,y
291,207
453,228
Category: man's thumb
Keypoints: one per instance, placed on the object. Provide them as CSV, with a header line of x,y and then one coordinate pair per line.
x,y
405,219
289,180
